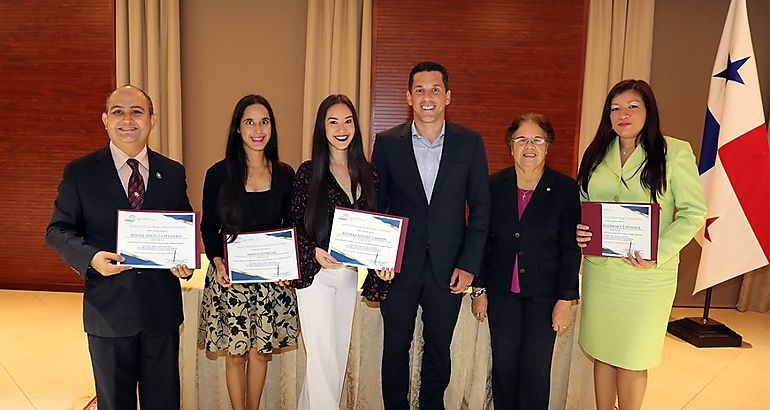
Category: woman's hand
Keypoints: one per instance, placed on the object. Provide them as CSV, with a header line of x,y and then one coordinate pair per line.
x,y
479,307
583,235
560,317
221,275
636,260
386,274
326,260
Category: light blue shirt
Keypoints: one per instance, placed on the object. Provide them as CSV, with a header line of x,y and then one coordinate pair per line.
x,y
428,158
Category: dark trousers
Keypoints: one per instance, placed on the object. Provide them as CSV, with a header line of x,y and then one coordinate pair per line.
x,y
440,309
522,347
120,363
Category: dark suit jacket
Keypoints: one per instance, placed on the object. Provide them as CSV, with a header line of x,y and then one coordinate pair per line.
x,y
544,238
440,226
84,222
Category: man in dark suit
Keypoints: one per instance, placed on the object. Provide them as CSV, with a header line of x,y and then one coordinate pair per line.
x,y
132,316
430,169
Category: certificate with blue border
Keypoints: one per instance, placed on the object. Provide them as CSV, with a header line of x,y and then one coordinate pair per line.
x,y
159,239
266,256
367,239
622,228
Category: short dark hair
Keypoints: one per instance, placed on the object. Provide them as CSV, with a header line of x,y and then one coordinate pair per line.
x,y
429,66
146,97
536,118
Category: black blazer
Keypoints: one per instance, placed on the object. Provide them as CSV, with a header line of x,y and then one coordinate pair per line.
x,y
84,222
440,226
544,238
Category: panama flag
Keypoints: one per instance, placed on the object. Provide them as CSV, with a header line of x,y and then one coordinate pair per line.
x,y
734,162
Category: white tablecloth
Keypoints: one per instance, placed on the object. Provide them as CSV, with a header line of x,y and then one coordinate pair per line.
x,y
203,375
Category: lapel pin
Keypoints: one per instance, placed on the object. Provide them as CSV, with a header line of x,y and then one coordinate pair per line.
x,y
158,175
548,189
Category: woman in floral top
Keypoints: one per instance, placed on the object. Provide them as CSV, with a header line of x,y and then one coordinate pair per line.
x,y
337,175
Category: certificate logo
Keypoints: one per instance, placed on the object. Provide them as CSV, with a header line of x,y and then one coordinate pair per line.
x,y
130,218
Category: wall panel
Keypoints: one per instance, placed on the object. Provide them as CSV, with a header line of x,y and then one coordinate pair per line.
x,y
56,67
505,57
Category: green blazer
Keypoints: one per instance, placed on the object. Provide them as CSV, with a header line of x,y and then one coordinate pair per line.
x,y
682,205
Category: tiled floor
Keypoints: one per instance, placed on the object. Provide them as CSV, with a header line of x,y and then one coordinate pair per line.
x,y
44,360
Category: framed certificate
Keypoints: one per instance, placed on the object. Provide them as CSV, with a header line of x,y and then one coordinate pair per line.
x,y
159,239
621,228
266,256
367,239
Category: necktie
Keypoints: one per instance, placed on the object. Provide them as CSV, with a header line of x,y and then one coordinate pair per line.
x,y
135,185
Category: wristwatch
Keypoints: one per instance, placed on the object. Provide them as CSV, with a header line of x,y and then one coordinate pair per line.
x,y
478,292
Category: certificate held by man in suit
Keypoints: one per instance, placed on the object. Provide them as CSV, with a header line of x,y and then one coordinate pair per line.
x,y
620,229
159,239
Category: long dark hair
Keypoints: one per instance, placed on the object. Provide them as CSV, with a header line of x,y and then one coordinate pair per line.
x,y
233,191
651,139
317,209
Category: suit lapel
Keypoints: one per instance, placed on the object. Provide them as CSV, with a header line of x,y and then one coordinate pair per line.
x,y
411,161
612,159
448,153
509,199
108,175
541,197
156,184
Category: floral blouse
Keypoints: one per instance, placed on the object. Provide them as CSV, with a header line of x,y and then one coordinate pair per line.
x,y
374,288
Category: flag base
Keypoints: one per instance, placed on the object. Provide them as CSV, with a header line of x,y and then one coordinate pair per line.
x,y
712,333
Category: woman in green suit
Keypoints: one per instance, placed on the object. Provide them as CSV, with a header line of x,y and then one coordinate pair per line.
x,y
627,301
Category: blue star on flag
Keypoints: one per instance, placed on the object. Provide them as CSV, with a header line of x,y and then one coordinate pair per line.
x,y
731,72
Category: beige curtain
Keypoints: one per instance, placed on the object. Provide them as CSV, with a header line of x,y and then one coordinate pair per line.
x,y
619,46
337,60
755,291
147,56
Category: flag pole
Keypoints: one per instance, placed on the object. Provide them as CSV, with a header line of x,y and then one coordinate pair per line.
x,y
704,332
707,305
735,174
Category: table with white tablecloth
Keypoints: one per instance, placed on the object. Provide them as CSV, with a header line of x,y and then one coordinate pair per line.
x,y
203,374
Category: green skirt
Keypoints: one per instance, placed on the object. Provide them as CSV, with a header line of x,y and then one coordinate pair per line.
x,y
625,312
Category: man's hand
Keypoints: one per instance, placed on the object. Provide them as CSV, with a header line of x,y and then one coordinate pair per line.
x,y
327,261
460,281
103,263
182,271
221,275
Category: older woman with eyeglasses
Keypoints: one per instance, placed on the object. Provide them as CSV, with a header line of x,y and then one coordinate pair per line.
x,y
531,266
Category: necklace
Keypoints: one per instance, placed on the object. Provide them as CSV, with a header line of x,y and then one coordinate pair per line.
x,y
627,152
525,192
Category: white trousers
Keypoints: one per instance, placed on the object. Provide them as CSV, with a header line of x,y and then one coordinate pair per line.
x,y
326,319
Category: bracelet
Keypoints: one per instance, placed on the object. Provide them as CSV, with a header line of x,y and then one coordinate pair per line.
x,y
477,293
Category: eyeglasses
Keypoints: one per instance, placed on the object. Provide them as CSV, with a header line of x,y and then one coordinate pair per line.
x,y
522,141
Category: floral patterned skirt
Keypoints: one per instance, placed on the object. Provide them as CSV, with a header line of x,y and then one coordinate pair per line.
x,y
245,316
